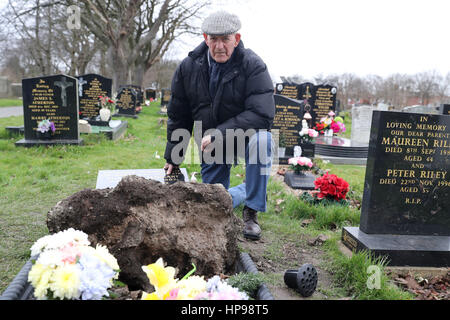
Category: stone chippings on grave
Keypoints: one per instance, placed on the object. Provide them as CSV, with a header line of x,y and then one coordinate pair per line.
x,y
142,220
404,212
91,87
361,122
54,98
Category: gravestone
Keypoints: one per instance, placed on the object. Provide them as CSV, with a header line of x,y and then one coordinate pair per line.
x,y
150,93
318,100
324,101
361,121
445,109
54,98
90,88
420,109
288,121
4,87
405,207
165,97
126,102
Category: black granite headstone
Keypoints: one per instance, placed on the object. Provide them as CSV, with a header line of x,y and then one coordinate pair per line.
x,y
150,93
445,109
54,98
405,208
165,97
288,120
324,101
90,88
126,102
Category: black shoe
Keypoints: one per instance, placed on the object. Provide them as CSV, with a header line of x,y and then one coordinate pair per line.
x,y
252,230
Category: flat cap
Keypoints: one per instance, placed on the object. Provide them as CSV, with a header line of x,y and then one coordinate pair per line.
x,y
221,23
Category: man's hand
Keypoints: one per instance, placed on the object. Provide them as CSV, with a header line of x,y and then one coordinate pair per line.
x,y
205,142
169,167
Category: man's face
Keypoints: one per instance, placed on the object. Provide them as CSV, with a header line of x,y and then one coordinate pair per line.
x,y
222,47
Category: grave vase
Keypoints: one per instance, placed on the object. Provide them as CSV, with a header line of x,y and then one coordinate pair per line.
x,y
44,135
105,114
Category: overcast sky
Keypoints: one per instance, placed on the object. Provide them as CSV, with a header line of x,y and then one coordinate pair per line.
x,y
335,36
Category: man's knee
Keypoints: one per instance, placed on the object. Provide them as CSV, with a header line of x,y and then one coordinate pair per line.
x,y
260,147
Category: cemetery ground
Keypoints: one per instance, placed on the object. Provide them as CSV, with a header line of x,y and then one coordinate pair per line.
x,y
33,180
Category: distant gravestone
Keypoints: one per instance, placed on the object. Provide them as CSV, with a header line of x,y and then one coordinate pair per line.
x,y
165,97
150,93
288,121
4,87
126,102
445,109
54,98
405,207
361,122
420,109
318,100
90,88
324,101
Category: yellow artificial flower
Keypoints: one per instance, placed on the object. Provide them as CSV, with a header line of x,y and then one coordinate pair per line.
x,y
191,287
39,276
65,282
150,296
162,278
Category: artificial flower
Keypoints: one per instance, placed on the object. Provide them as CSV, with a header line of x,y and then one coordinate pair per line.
x,y
68,268
162,278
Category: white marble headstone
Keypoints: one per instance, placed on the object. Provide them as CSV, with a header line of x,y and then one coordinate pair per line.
x,y
361,123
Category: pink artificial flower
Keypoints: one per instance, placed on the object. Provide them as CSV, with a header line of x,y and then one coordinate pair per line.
x,y
312,133
70,254
173,294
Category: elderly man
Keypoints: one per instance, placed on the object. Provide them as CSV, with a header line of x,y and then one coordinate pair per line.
x,y
222,85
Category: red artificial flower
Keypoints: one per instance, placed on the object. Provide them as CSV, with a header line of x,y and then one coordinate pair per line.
x,y
331,186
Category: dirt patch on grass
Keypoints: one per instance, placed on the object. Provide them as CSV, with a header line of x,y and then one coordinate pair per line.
x,y
274,254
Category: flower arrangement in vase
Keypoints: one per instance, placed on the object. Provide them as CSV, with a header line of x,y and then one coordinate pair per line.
x,y
300,164
66,267
306,134
190,287
331,187
108,107
45,129
330,125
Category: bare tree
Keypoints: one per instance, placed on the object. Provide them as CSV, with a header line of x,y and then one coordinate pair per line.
x,y
137,33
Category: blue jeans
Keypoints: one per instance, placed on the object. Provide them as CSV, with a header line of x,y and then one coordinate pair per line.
x,y
258,163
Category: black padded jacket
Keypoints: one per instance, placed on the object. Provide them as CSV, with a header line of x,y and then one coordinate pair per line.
x,y
244,98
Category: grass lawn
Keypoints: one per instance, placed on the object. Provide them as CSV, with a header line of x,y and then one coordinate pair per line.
x,y
5,102
33,180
